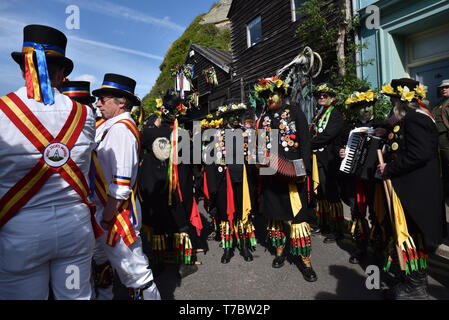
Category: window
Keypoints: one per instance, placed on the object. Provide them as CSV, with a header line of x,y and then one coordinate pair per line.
x,y
254,31
296,4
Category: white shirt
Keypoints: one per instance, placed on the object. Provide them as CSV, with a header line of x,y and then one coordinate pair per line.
x,y
117,154
18,155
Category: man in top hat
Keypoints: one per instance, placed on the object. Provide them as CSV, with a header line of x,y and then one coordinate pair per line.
x,y
325,129
441,115
118,208
284,199
46,141
79,91
412,165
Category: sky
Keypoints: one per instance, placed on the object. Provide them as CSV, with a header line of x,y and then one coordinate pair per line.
x,y
113,36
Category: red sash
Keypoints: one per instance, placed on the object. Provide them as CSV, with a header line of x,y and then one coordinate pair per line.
x,y
24,119
121,224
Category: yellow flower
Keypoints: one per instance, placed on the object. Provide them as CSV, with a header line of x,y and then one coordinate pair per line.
x,y
400,89
322,88
209,116
348,101
360,96
369,95
387,89
406,94
421,90
159,102
278,83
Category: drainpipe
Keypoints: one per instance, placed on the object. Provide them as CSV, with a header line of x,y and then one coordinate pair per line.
x,y
357,42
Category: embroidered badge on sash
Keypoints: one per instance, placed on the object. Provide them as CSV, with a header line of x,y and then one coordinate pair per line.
x,y
56,154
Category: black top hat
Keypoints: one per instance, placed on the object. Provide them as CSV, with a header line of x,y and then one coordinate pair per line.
x,y
52,41
78,91
118,86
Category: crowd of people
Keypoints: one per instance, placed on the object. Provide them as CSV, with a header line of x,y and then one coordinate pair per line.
x,y
99,196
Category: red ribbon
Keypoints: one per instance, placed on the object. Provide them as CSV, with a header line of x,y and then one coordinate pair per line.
x,y
230,198
195,218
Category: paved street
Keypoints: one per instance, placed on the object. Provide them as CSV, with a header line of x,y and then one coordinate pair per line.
x,y
257,280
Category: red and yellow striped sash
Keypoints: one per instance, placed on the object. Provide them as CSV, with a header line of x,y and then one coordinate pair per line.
x,y
121,224
38,135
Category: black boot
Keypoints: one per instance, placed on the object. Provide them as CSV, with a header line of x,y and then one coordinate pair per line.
x,y
330,238
357,255
413,287
279,260
187,269
306,269
227,255
246,254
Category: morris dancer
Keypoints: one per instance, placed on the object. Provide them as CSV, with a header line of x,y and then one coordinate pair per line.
x,y
284,201
119,213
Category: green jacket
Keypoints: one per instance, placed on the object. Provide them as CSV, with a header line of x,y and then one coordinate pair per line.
x,y
441,114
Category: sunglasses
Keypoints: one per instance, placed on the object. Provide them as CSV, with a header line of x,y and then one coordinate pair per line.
x,y
104,99
323,95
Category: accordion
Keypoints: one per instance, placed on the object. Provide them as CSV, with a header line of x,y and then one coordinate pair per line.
x,y
285,167
361,153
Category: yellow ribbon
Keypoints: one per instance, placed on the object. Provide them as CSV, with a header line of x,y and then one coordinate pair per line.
x,y
33,72
246,198
315,175
399,219
295,201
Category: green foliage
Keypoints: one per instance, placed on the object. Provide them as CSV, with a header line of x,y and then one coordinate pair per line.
x,y
202,34
323,18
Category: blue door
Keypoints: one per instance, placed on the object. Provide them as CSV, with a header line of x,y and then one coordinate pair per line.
x,y
431,76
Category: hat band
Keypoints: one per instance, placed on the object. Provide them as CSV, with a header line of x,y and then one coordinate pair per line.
x,y
113,85
48,48
75,92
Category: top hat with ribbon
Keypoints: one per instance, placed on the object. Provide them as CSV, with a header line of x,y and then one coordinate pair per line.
x,y
42,44
78,91
118,86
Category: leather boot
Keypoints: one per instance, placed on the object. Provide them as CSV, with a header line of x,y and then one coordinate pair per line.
x,y
186,270
413,287
246,254
305,266
227,254
279,260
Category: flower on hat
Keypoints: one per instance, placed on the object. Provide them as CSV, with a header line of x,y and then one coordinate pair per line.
x,y
361,96
357,96
323,87
406,94
369,95
386,88
270,84
159,102
421,90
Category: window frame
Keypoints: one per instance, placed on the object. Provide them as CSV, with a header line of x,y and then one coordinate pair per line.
x,y
248,32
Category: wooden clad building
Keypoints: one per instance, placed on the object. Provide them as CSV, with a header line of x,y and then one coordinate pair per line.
x,y
263,40
210,96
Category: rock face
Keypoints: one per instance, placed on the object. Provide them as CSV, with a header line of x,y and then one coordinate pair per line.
x,y
218,14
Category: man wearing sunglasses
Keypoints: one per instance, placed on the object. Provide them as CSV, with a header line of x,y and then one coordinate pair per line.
x,y
325,129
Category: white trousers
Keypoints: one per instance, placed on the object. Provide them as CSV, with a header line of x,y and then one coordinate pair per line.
x,y
47,246
130,263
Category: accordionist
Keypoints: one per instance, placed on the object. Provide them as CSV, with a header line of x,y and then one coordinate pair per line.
x,y
284,195
359,189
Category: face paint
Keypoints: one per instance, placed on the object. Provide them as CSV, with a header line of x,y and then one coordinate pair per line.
x,y
366,112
